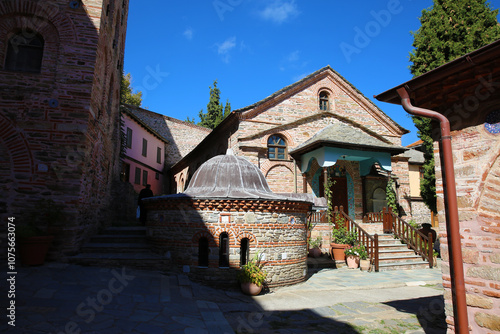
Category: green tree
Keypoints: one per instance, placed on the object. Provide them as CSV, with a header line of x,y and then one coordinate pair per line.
x,y
449,29
127,96
216,112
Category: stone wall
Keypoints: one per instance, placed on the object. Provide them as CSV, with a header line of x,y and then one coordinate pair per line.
x,y
477,171
275,229
59,127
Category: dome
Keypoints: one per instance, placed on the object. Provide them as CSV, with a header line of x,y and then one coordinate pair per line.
x,y
230,176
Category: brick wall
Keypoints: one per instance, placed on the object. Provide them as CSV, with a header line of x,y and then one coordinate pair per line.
x,y
64,118
477,171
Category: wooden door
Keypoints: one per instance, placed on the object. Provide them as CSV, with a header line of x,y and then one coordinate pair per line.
x,y
339,193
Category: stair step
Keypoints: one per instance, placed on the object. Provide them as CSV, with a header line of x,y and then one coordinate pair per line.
x,y
403,265
398,258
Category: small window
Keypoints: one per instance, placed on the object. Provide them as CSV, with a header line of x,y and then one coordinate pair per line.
x,y
144,147
157,176
137,179
203,252
276,148
129,138
323,101
25,52
244,251
144,177
125,173
224,250
158,155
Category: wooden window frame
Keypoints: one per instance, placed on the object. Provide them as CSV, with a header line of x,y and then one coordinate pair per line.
x,y
273,148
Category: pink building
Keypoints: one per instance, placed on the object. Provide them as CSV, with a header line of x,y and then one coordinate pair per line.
x,y
143,155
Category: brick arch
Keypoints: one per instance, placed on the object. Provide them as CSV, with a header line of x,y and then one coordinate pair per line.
x,y
230,232
38,13
280,183
331,100
253,240
490,188
17,146
284,133
203,234
268,165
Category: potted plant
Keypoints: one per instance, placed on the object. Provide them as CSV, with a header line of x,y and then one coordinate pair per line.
x,y
364,262
341,239
314,247
252,276
35,237
352,255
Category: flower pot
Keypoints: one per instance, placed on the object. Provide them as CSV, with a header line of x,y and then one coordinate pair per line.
x,y
364,265
33,250
315,252
352,261
337,251
250,289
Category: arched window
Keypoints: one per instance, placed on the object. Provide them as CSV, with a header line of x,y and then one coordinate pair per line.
x,y
203,252
244,251
276,148
25,52
224,250
323,101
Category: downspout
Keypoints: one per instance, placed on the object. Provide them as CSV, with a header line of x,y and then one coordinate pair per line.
x,y
452,222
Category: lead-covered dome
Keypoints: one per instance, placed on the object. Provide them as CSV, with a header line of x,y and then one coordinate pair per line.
x,y
230,176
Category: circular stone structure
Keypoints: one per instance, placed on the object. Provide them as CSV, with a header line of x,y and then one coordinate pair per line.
x,y
225,217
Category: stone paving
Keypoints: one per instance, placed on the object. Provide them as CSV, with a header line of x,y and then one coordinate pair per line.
x,y
63,298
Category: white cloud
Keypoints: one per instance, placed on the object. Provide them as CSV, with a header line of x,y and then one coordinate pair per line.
x,y
280,11
293,56
224,48
188,33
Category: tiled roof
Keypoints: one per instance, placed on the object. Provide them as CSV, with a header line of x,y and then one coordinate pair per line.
x,y
345,135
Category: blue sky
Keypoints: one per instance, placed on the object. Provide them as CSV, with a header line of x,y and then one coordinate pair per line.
x,y
176,49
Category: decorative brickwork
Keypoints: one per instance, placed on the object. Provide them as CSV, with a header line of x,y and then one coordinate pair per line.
x,y
59,127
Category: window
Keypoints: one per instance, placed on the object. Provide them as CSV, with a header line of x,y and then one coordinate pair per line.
x,y
323,101
276,148
158,155
144,147
244,251
125,173
137,179
224,250
129,138
144,177
203,252
157,176
25,52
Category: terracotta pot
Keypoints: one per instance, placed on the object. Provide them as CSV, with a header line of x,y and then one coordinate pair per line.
x,y
315,252
337,251
250,289
33,250
352,262
364,265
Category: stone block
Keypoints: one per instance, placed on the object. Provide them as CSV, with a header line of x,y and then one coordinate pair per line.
x,y
478,301
485,272
486,320
470,256
495,258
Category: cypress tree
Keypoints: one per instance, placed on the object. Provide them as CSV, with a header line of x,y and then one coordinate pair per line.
x,y
449,29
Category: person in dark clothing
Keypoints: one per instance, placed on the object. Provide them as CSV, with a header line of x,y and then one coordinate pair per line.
x,y
425,230
144,193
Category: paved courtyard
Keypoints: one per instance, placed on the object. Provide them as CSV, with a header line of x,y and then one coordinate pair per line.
x,y
63,298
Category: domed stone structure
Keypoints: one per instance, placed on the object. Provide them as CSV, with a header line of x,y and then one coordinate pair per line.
x,y
227,215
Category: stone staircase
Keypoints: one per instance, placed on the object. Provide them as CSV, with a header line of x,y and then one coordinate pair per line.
x,y
393,254
118,247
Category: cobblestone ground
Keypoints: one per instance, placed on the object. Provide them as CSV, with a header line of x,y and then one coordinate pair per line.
x,y
61,298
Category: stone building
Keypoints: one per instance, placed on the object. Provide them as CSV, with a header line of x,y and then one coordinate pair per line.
x,y
466,92
319,126
60,69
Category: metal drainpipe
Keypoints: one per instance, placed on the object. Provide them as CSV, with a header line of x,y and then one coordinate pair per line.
x,y
452,224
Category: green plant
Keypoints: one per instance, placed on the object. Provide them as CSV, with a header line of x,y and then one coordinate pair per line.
x,y
341,235
252,272
356,250
315,242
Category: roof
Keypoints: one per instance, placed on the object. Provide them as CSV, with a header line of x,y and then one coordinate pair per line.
x,y
132,113
345,136
310,76
415,157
